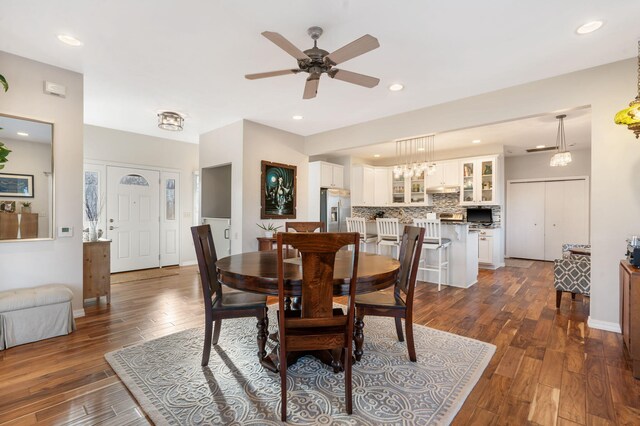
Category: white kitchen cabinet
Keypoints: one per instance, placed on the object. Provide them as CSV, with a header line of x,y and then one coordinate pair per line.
x,y
381,188
479,180
370,186
447,174
331,175
408,190
543,215
485,246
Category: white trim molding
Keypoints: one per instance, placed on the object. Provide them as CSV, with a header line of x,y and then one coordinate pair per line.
x,y
78,313
189,263
604,325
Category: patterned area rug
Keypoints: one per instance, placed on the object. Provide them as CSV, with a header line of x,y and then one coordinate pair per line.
x,y
166,378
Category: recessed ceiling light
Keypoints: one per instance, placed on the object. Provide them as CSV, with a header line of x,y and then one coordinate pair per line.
x,y
540,146
297,117
396,87
70,40
476,141
589,27
420,149
23,134
376,155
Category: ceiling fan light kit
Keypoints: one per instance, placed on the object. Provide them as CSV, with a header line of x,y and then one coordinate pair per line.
x,y
316,61
630,117
172,121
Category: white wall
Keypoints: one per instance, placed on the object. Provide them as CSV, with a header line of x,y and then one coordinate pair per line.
x,y
116,146
614,182
33,158
533,166
270,144
220,147
25,264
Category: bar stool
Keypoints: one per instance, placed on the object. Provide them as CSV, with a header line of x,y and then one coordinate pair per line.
x,y
433,241
359,224
388,234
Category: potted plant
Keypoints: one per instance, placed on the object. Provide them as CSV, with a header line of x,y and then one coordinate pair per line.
x,y
3,151
269,229
26,207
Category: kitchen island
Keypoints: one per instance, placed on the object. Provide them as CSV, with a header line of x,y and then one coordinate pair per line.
x,y
463,254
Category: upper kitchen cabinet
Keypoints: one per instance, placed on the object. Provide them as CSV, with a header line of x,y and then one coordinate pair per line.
x,y
331,175
408,190
479,181
370,186
447,174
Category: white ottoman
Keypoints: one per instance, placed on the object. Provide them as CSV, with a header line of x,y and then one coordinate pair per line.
x,y
32,314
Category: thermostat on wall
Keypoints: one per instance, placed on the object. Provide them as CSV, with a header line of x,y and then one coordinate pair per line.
x,y
55,89
65,231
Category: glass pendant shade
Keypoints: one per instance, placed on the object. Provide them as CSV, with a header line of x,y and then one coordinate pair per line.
x,y
562,157
412,157
630,117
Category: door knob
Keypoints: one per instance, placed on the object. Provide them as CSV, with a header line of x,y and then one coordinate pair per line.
x,y
111,220
111,228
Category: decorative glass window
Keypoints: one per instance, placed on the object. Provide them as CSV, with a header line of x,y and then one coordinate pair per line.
x,y
91,194
171,199
134,180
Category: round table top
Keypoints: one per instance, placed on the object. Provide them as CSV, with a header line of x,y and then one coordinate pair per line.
x,y
257,272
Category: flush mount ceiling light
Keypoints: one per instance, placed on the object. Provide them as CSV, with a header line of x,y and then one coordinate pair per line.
x,y
396,87
476,141
630,117
297,117
22,134
589,27
172,121
562,157
70,40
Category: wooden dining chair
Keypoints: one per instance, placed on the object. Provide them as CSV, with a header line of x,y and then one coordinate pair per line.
x,y
317,325
305,226
218,304
398,304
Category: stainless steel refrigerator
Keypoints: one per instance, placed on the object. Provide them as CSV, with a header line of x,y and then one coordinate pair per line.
x,y
335,207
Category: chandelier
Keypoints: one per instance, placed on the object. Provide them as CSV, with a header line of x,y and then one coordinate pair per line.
x,y
630,117
414,157
562,157
168,120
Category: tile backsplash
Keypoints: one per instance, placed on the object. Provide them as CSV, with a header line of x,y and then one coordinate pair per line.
x,y
441,203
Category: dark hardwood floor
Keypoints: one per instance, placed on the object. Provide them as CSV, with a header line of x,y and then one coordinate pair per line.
x,y
549,368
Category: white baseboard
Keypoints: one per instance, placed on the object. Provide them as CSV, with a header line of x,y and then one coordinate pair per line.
x,y
604,325
189,263
78,313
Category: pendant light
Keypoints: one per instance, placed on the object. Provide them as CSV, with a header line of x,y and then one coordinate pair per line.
x,y
562,157
630,117
414,157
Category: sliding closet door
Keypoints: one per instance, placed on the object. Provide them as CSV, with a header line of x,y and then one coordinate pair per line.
x,y
525,220
554,220
566,215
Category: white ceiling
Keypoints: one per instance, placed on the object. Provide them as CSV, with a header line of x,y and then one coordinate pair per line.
x,y
38,132
515,136
148,55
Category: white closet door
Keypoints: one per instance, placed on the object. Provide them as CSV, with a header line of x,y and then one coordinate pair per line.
x,y
525,220
554,219
576,220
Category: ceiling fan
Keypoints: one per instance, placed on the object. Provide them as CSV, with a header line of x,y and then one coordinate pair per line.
x,y
316,61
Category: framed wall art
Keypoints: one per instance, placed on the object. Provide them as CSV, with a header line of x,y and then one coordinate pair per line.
x,y
13,185
278,191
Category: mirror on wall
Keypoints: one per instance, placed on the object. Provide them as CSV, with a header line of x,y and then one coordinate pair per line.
x,y
26,179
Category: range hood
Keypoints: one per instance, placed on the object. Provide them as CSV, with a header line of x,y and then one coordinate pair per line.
x,y
443,190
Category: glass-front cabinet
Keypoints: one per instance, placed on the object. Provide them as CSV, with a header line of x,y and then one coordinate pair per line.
x,y
417,189
409,190
397,195
478,181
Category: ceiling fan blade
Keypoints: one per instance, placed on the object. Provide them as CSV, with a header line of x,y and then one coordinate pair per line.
x,y
311,86
357,47
354,77
286,45
270,74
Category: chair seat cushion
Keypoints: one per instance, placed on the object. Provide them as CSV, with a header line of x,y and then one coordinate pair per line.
x,y
25,298
240,300
433,243
379,298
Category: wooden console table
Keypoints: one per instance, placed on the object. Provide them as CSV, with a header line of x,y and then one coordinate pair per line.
x,y
265,243
630,312
96,270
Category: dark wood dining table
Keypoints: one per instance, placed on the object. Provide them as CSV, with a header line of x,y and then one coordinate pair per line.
x,y
257,272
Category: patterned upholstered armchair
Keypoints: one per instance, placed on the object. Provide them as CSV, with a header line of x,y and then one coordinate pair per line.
x,y
572,273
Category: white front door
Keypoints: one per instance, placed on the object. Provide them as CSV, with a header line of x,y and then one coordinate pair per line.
x,y
133,218
170,218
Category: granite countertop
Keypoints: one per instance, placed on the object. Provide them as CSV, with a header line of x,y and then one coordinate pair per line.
x,y
472,226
